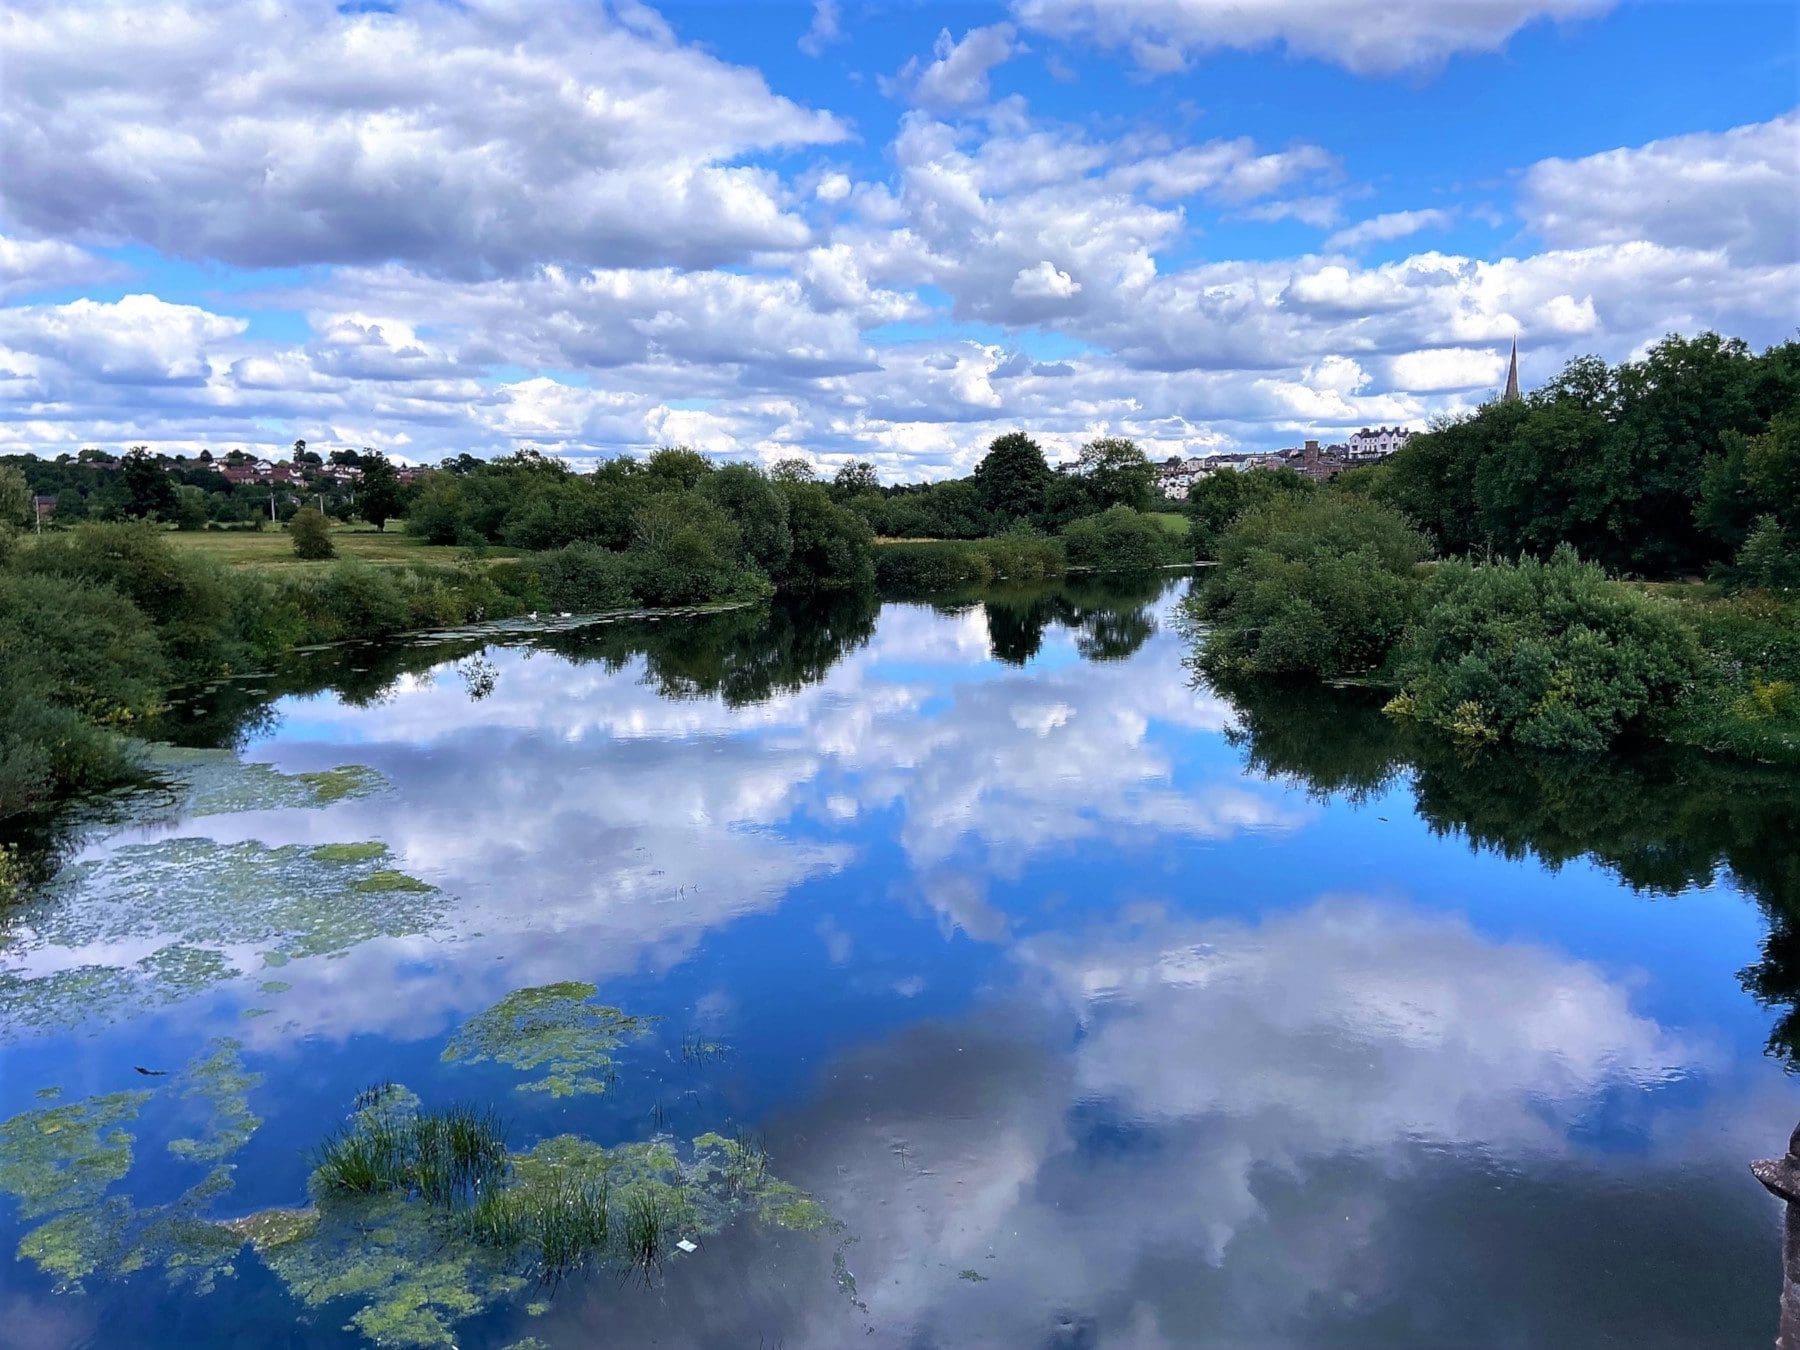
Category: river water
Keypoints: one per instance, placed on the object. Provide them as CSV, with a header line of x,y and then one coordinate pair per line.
x,y
1058,999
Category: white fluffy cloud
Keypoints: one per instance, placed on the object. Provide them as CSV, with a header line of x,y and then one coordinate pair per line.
x,y
463,139
1370,37
957,74
567,230
1736,190
1385,228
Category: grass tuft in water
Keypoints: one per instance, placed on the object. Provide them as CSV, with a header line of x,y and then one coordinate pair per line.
x,y
445,1156
644,1239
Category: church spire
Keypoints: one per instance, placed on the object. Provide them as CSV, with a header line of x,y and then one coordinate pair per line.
x,y
1512,376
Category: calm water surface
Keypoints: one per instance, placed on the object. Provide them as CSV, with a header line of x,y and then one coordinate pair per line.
x,y
1090,1007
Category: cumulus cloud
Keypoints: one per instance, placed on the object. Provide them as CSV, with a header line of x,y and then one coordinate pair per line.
x,y
957,74
1369,37
463,139
1736,190
32,265
826,29
1385,228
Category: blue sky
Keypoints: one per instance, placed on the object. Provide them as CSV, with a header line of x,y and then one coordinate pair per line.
x,y
867,231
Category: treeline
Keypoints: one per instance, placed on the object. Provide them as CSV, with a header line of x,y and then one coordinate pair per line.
x,y
196,493
1470,575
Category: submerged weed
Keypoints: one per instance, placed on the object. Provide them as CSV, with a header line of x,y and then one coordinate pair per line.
x,y
553,1027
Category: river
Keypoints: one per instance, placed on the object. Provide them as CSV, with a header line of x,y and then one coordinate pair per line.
x,y
953,974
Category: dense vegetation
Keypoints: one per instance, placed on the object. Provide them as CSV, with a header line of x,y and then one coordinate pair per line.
x,y
1684,461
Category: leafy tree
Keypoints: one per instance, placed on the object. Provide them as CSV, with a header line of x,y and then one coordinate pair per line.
x,y
150,493
379,495
1319,586
1013,477
794,469
15,497
311,534
679,466
759,510
190,508
1220,498
834,548
1117,473
853,479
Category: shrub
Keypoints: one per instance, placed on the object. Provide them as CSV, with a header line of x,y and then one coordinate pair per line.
x,y
187,598
1220,498
348,600
1023,556
1309,586
1553,655
1120,538
584,578
1770,558
920,568
834,548
311,534
687,551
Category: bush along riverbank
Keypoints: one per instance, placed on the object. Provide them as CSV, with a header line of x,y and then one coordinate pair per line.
x,y
1550,654
99,623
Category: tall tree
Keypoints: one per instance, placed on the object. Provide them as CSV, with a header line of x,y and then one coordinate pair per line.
x,y
1013,476
379,494
147,487
1117,472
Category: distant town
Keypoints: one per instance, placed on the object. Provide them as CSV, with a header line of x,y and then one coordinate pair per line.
x,y
1321,463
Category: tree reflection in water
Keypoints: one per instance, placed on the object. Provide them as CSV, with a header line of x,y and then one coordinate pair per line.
x,y
1663,819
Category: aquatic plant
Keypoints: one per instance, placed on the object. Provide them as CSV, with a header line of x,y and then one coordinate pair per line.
x,y
218,782
219,1080
198,899
444,1156
65,1157
645,1237
554,1027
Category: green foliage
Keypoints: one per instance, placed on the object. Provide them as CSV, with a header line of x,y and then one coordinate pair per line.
x,y
833,547
1552,655
190,509
554,1027
379,494
15,497
1220,498
1647,467
760,510
926,567
1013,478
1318,586
584,578
685,551
1769,559
1119,538
1116,473
311,535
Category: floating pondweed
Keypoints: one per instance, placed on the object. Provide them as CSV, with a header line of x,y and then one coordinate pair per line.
x,y
201,905
217,782
553,1027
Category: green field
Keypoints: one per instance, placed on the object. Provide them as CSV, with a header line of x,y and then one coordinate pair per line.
x,y
1172,521
268,549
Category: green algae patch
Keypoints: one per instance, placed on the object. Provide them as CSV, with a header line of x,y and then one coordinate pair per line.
x,y
47,1094
72,1247
553,1027
217,782
65,1157
219,1082
274,986
367,851
268,1229
342,783
203,908
387,879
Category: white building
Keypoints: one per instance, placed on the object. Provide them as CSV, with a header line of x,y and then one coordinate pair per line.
x,y
1367,444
